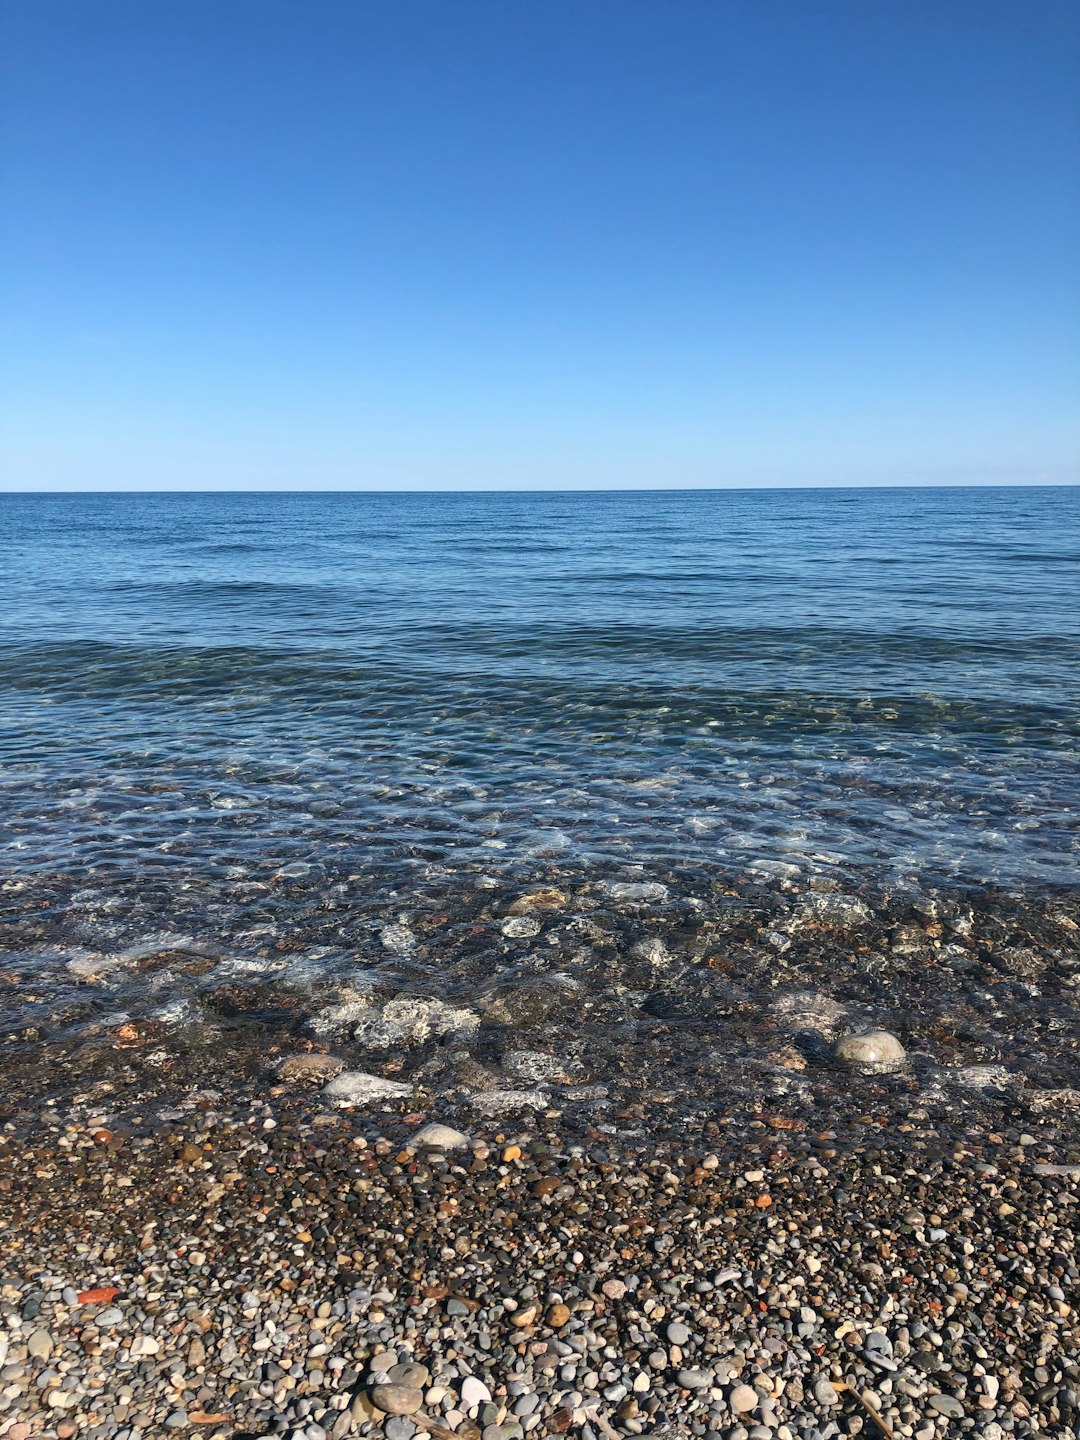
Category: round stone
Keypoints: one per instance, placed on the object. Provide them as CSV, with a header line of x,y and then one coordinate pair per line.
x,y
677,1333
397,1399
743,1398
410,1373
439,1137
873,1048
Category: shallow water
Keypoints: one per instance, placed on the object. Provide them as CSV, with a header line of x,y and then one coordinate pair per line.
x,y
228,717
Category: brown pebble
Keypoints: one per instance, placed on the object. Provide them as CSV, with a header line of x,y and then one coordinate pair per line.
x,y
558,1316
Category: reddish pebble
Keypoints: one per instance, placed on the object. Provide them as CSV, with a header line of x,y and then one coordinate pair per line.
x,y
613,1289
101,1296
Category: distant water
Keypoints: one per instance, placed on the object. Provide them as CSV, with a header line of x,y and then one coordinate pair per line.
x,y
222,685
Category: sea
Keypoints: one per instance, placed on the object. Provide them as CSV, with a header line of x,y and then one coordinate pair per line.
x,y
312,744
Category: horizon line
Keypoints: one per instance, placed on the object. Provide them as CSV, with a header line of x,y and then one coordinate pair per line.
x,y
554,489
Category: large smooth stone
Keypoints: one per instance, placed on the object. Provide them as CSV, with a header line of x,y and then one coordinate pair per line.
x,y
874,1048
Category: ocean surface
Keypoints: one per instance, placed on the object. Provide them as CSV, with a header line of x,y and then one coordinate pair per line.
x,y
222,713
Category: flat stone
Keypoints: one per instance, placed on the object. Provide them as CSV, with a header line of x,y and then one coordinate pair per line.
x,y
677,1333
494,1102
474,1392
408,1372
355,1087
40,1345
694,1379
946,1405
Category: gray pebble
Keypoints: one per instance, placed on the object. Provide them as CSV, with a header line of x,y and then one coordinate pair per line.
x,y
694,1379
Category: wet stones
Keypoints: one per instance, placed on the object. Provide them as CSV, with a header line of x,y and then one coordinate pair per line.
x,y
310,1067
870,1050
520,927
356,1087
538,901
524,1006
412,1020
838,912
635,893
494,1102
438,1137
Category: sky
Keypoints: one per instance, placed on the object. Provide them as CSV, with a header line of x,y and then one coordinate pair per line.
x,y
424,244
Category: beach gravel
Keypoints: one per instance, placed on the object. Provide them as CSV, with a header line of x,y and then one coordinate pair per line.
x,y
335,1275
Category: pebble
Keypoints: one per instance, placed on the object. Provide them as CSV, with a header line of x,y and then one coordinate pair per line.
x,y
743,1398
40,1345
870,1048
355,1087
946,1405
473,1392
397,1399
439,1137
694,1379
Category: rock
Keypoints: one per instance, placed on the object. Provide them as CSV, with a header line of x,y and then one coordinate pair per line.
x,y
144,1345
743,1398
111,1316
524,1006
354,1087
520,927
397,1399
1068,1172
558,1316
532,1065
398,939
538,900
494,1102
414,1019
694,1379
873,1049
438,1137
473,1392
310,1067
824,1393
639,893
840,912
677,1333
946,1405
364,1410
40,1345
408,1372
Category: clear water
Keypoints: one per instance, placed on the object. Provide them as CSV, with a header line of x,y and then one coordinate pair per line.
x,y
226,685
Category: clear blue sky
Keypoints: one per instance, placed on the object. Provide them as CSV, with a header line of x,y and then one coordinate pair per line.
x,y
428,243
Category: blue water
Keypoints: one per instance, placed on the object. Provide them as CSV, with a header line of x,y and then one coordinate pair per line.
x,y
838,681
